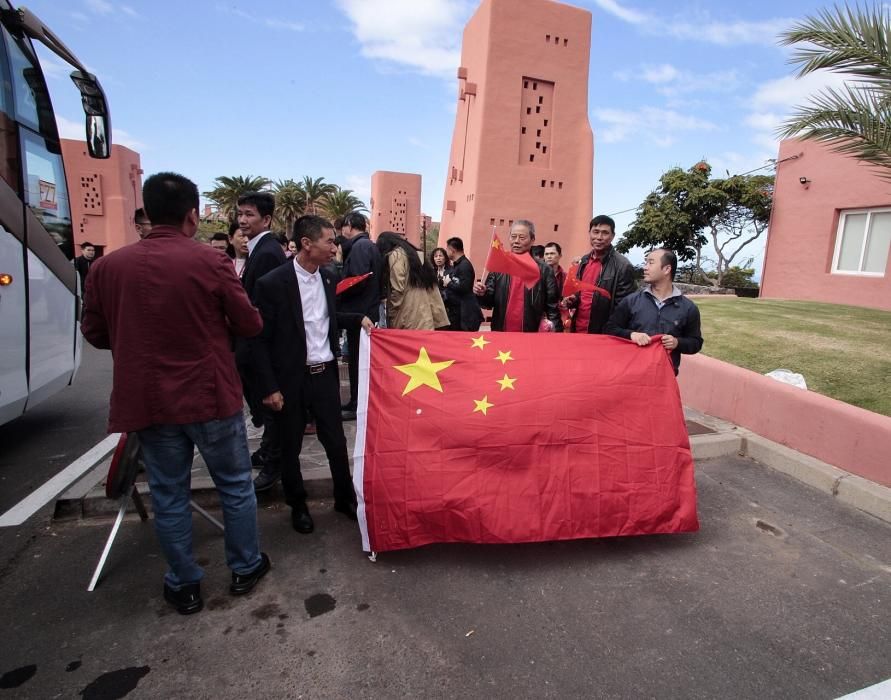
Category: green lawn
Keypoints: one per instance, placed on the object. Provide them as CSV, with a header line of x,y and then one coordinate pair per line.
x,y
842,351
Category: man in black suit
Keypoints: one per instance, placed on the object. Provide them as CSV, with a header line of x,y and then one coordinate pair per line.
x,y
83,261
295,365
254,213
464,309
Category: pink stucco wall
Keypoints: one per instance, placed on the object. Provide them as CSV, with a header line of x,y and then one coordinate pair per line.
x,y
521,70
802,235
396,204
103,194
834,432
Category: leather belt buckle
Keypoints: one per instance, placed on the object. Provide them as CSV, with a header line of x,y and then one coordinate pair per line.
x,y
317,369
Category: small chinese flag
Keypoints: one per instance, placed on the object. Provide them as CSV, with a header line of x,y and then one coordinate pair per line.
x,y
465,437
573,285
502,260
349,282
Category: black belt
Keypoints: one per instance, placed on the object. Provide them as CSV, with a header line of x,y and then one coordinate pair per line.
x,y
318,368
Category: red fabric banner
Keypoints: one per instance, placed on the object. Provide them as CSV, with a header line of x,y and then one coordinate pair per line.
x,y
487,438
502,260
348,282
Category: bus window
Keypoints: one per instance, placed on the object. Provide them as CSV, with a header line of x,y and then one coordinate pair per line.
x,y
47,193
32,103
9,142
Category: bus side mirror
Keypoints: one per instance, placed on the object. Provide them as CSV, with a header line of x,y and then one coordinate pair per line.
x,y
98,121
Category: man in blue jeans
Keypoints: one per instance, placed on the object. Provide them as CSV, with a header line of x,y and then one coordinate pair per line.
x,y
167,306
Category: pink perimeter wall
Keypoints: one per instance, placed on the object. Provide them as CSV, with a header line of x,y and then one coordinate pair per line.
x,y
396,204
103,194
522,147
803,226
834,432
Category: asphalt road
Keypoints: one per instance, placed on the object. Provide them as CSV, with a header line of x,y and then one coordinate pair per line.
x,y
48,438
784,593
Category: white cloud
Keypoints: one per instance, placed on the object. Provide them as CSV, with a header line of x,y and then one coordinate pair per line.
x,y
659,126
672,82
623,13
423,36
73,129
271,22
699,28
99,7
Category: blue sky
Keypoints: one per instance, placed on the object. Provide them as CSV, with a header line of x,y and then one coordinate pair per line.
x,y
342,88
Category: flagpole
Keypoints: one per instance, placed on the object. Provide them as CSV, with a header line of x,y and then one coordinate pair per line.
x,y
491,241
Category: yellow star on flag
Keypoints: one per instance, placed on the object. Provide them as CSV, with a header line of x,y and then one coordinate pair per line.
x,y
496,243
423,372
483,405
506,382
480,342
503,357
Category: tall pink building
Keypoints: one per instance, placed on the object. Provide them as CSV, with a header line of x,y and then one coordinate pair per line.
x,y
103,194
830,230
522,146
396,204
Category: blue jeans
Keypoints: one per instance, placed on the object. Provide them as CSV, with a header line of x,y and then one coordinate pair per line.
x,y
167,451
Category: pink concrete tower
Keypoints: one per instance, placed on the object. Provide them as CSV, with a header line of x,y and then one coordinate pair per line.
x,y
522,147
396,204
103,194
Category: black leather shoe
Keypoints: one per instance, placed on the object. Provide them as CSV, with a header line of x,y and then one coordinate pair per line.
x,y
348,509
244,583
186,599
301,520
266,479
257,460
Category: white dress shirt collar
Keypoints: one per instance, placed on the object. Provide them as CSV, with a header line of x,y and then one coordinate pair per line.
x,y
254,241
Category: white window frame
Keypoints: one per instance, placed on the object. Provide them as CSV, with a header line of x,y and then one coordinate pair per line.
x,y
839,233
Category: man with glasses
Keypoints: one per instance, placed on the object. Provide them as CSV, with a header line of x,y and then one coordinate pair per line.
x,y
143,225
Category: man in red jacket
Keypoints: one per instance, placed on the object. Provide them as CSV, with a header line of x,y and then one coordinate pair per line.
x,y
166,307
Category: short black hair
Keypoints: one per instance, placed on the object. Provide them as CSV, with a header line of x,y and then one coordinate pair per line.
x,y
668,258
355,220
338,224
537,251
220,236
602,219
139,214
554,244
311,227
87,244
263,202
233,227
456,243
168,198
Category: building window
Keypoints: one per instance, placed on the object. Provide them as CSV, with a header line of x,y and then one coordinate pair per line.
x,y
862,242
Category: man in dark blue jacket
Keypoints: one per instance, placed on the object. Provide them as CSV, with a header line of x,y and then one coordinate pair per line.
x,y
360,256
659,309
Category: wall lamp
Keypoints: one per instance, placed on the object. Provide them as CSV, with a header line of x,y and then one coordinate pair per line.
x,y
804,181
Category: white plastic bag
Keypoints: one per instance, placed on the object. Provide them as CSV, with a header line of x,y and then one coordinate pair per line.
x,y
788,377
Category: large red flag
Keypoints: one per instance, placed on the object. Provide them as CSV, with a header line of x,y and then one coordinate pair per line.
x,y
502,260
349,282
573,284
485,438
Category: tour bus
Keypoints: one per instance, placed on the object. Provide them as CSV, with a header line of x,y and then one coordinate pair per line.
x,y
39,289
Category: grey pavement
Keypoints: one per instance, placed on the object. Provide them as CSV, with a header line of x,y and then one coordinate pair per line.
x,y
782,594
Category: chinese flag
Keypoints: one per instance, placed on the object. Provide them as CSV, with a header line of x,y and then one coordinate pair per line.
x,y
485,438
573,284
502,260
348,282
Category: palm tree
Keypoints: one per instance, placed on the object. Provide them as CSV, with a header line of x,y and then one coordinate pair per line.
x,y
290,203
339,202
855,120
315,191
227,190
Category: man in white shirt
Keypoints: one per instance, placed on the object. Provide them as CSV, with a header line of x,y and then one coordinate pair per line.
x,y
294,363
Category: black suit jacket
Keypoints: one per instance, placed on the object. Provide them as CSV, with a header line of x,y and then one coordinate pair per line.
x,y
461,297
278,354
267,256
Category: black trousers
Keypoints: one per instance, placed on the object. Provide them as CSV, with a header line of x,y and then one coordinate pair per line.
x,y
321,396
353,336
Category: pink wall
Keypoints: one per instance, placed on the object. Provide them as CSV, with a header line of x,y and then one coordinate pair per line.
x,y
802,234
396,204
834,432
103,193
511,62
